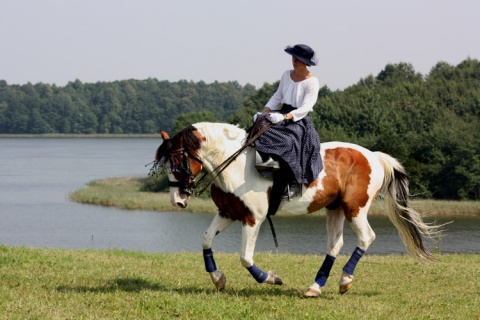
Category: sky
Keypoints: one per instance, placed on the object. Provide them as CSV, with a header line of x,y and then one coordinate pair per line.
x,y
58,41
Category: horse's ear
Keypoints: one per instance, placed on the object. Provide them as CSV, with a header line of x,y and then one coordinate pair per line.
x,y
164,135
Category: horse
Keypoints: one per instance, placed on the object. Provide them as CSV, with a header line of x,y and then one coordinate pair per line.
x,y
352,178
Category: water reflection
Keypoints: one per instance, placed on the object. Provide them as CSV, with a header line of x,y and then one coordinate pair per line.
x,y
37,174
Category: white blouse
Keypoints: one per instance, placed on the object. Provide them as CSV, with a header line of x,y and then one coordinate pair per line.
x,y
300,95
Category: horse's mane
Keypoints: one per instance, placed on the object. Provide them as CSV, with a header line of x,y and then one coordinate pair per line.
x,y
219,136
217,130
188,139
216,138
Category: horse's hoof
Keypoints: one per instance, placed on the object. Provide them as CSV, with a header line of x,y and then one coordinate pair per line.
x,y
346,282
218,279
313,292
273,278
345,288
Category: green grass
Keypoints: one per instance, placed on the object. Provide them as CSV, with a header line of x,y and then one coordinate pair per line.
x,y
125,193
66,284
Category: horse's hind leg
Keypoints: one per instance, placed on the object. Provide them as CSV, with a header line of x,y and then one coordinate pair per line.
x,y
365,237
216,226
335,222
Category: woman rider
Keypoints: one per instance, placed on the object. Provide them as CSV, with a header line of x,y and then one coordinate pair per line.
x,y
292,140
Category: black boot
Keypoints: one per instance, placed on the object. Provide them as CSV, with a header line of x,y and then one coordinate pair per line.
x,y
292,190
278,187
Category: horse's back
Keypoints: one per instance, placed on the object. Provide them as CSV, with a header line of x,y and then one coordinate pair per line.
x,y
345,145
350,153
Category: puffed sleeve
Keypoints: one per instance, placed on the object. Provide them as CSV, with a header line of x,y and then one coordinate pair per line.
x,y
276,99
310,97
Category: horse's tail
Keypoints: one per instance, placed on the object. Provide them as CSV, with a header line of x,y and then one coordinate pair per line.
x,y
408,222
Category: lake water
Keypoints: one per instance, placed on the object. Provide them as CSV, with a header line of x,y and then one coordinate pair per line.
x,y
36,176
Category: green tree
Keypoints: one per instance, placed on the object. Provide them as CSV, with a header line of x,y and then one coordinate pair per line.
x,y
184,120
255,103
37,124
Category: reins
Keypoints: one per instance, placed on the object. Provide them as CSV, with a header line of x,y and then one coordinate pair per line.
x,y
216,172
230,159
209,177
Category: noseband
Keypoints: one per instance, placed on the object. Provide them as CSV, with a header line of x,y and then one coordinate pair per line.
x,y
178,163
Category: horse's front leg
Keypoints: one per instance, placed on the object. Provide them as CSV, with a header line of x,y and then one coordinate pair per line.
x,y
249,239
218,225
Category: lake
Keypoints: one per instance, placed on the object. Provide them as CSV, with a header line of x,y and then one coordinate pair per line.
x,y
37,174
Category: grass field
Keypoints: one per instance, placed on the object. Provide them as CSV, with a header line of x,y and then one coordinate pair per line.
x,y
66,284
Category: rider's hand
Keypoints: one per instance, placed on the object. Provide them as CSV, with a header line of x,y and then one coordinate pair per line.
x,y
276,117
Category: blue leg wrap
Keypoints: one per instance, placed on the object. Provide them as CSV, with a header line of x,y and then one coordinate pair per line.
x,y
352,262
324,271
257,273
210,265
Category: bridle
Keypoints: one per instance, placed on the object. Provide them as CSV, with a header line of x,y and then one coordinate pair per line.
x,y
188,185
179,163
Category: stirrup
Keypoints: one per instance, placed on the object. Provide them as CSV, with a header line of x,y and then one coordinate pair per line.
x,y
292,190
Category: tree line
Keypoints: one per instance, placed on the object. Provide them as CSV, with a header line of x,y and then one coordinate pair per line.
x,y
431,123
130,106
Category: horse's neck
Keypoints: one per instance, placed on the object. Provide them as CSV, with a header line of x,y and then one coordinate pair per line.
x,y
221,142
215,156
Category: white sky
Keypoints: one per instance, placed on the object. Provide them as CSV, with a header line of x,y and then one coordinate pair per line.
x,y
57,41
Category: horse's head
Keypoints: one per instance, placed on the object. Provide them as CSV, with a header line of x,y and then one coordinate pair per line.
x,y
179,157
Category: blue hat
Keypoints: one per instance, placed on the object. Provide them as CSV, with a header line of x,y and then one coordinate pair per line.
x,y
303,53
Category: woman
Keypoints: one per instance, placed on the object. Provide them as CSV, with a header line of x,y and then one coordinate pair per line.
x,y
292,140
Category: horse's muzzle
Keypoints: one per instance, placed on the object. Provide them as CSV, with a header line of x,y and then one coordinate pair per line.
x,y
182,205
178,199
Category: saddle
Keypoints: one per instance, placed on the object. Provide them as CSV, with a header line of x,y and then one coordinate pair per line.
x,y
283,188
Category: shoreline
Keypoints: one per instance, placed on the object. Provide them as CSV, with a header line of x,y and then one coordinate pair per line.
x,y
124,193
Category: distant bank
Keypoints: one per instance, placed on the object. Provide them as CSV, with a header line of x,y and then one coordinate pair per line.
x,y
125,193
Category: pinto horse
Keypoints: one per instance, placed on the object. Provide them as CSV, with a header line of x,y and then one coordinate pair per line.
x,y
352,178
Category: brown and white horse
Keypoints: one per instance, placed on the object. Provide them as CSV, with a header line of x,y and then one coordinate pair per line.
x,y
352,178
